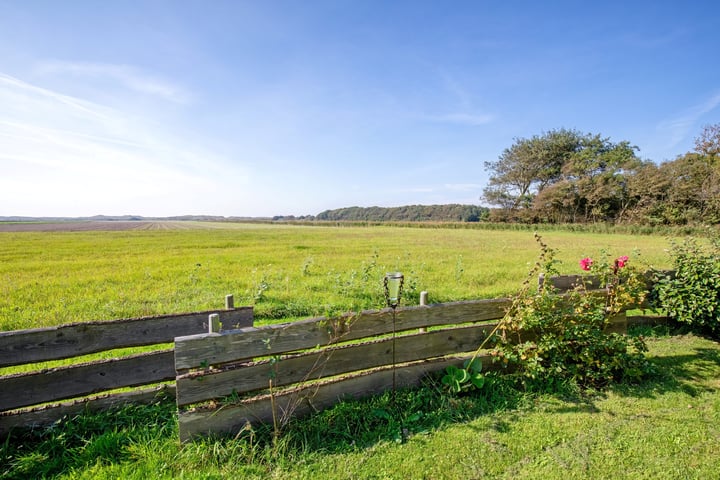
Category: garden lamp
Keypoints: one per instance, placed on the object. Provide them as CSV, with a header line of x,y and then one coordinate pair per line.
x,y
393,291
393,288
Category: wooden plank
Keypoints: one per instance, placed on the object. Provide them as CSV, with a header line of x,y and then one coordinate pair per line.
x,y
65,341
617,323
568,282
329,362
49,414
594,282
216,349
84,379
650,320
230,419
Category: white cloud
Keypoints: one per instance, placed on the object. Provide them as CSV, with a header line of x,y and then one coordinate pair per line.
x,y
128,76
63,155
678,129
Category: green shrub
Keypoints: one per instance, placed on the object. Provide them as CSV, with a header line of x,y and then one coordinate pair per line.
x,y
692,294
550,341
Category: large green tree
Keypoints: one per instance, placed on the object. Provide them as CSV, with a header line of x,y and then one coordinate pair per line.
x,y
685,190
597,175
563,176
528,166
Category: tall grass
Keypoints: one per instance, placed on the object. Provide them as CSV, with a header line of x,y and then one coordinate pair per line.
x,y
285,271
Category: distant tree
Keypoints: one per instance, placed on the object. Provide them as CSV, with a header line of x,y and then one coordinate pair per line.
x,y
708,142
647,191
408,213
694,196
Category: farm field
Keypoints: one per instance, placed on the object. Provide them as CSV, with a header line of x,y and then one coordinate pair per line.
x,y
57,276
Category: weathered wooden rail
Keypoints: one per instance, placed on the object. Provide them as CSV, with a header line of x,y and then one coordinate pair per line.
x,y
223,380
227,380
37,389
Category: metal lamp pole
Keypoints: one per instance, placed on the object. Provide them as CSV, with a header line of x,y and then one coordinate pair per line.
x,y
393,292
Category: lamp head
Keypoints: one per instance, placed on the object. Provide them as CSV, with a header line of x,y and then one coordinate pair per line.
x,y
393,288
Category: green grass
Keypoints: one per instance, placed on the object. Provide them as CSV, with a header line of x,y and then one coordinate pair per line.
x,y
667,427
284,271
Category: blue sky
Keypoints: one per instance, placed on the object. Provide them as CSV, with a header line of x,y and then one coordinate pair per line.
x,y
269,107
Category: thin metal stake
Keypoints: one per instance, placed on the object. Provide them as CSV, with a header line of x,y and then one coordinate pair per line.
x,y
393,358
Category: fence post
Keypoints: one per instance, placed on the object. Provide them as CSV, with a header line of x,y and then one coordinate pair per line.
x,y
229,302
214,323
423,302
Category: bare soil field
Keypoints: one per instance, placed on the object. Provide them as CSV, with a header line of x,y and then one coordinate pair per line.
x,y
88,226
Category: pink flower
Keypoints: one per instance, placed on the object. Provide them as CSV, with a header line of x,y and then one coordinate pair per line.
x,y
622,261
586,263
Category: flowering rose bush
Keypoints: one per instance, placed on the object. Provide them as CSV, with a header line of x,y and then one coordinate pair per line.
x,y
586,263
549,341
626,286
548,338
621,261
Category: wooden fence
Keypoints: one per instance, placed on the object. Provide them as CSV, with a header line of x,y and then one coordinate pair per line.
x,y
39,388
228,380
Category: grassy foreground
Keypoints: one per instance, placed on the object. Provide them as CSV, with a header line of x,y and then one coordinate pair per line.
x,y
665,428
53,278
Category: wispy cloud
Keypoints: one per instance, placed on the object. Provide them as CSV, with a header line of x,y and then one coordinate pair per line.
x,y
130,77
91,158
459,101
469,119
678,129
18,93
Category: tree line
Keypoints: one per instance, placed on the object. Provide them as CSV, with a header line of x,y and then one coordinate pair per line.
x,y
408,213
565,176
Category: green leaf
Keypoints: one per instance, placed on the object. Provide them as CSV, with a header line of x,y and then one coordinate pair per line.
x,y
478,380
473,365
380,413
461,376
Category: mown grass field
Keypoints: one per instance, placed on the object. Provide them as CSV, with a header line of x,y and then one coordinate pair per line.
x,y
665,427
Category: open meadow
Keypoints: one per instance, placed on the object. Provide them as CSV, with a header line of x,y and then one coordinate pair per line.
x,y
667,426
56,276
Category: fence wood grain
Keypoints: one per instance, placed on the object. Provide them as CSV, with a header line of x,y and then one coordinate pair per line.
x,y
230,419
37,345
329,362
49,414
84,379
316,379
212,349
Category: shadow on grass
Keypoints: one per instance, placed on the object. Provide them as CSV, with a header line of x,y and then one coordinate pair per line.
x,y
80,442
358,424
692,374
